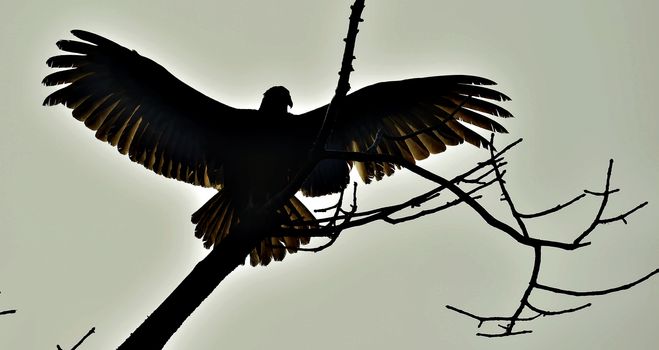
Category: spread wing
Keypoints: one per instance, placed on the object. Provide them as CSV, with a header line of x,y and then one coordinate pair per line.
x,y
410,118
136,105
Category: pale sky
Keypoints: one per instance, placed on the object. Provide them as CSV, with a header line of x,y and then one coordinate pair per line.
x,y
88,238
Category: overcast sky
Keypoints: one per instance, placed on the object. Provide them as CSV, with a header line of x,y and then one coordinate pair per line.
x,y
88,238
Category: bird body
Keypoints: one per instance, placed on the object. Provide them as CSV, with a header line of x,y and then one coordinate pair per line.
x,y
250,155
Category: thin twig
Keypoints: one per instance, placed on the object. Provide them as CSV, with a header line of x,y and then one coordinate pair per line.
x,y
533,283
506,195
552,210
605,193
553,313
482,319
596,292
7,312
478,180
335,235
605,199
418,200
623,217
537,258
335,206
90,332
445,206
484,213
504,334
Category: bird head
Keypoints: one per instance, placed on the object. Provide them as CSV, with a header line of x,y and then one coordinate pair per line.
x,y
276,99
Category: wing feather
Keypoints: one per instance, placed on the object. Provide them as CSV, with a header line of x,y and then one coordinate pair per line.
x,y
415,117
136,105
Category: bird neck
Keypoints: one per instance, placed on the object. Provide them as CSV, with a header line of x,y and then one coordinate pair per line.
x,y
273,107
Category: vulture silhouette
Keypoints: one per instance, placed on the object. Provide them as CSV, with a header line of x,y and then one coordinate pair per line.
x,y
249,155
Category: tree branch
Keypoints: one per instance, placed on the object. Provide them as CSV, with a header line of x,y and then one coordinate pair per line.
x,y
605,199
537,247
553,313
224,258
482,319
156,330
7,312
90,332
596,292
491,220
552,210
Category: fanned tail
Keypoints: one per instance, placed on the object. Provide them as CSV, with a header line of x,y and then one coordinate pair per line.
x,y
217,217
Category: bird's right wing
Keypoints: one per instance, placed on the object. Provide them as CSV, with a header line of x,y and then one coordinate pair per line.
x,y
136,105
410,119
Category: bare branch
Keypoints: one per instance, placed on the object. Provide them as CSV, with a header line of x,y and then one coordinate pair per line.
x,y
553,313
537,257
423,198
605,199
482,319
506,195
479,179
225,257
533,283
623,217
336,206
7,312
335,235
596,292
90,332
395,221
416,201
605,193
489,218
445,206
552,210
504,334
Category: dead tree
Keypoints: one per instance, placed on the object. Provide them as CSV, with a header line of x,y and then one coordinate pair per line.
x,y
155,331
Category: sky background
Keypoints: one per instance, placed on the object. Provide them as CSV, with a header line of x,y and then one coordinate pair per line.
x,y
88,238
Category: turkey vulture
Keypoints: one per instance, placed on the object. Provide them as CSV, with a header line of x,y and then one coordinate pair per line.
x,y
249,155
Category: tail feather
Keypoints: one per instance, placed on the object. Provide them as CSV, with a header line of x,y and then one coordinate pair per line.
x,y
217,217
214,219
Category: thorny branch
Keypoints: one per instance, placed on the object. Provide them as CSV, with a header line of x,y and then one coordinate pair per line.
x,y
156,330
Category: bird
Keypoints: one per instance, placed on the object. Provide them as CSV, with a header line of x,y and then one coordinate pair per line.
x,y
249,155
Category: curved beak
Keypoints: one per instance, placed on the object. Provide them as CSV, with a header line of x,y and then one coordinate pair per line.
x,y
290,102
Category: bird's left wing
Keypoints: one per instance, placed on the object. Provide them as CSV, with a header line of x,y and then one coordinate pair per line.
x,y
409,118
136,105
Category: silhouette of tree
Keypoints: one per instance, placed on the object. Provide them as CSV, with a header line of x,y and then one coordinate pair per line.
x,y
255,226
